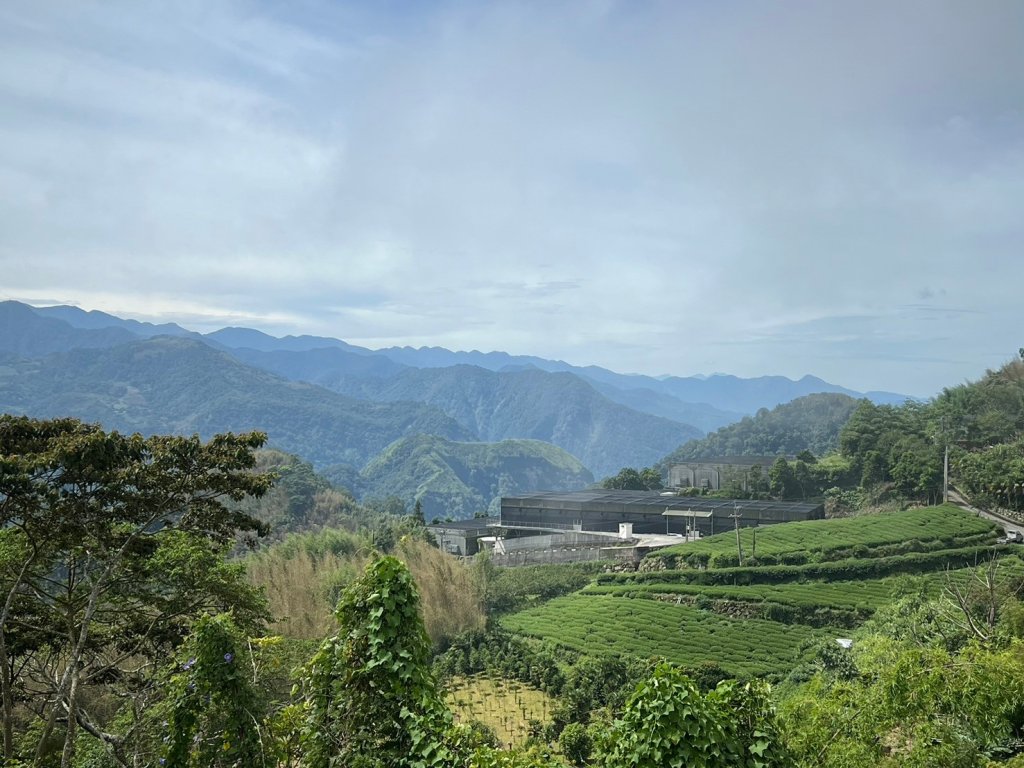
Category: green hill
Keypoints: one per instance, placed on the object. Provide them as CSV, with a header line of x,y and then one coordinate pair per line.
x,y
462,479
812,423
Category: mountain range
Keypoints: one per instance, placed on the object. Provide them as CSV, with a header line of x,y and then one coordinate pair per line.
x,y
343,407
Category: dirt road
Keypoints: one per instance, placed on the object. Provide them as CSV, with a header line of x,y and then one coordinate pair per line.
x,y
1009,526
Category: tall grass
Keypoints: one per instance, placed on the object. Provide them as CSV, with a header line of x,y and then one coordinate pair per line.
x,y
304,574
450,598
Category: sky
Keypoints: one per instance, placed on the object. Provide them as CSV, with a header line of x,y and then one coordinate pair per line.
x,y
656,187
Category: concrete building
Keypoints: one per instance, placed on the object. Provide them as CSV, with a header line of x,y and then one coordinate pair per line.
x,y
462,537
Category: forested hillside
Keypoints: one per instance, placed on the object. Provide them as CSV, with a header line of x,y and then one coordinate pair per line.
x,y
558,408
810,423
981,422
462,479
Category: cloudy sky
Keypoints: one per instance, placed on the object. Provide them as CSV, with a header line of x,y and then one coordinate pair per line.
x,y
676,187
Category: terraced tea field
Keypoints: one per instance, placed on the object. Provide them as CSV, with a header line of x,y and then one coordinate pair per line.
x,y
849,595
929,528
828,572
685,635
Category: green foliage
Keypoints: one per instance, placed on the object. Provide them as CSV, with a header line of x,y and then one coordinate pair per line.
x,y
575,743
994,476
668,722
809,423
369,693
112,546
301,499
629,479
596,683
835,570
502,654
512,588
919,706
982,423
533,757
853,599
215,711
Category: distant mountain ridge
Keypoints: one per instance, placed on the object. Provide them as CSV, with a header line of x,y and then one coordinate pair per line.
x,y
179,385
726,395
812,422
354,409
558,408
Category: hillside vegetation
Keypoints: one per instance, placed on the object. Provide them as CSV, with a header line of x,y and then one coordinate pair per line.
x,y
178,665
811,541
463,479
685,635
559,408
981,422
810,423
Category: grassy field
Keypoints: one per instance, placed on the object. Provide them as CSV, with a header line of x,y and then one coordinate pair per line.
x,y
685,635
943,527
506,706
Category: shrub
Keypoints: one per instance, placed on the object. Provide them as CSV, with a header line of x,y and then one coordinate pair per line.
x,y
575,743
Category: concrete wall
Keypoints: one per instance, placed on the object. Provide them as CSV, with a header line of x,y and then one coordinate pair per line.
x,y
546,557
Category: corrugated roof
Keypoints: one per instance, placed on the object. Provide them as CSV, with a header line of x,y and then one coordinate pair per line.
x,y
652,501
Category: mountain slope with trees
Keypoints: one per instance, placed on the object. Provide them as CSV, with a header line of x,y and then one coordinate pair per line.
x,y
810,423
464,479
982,423
558,408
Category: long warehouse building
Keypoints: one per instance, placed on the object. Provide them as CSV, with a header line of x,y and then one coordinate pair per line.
x,y
648,511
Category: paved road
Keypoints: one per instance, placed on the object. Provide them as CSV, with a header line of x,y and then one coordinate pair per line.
x,y
1008,525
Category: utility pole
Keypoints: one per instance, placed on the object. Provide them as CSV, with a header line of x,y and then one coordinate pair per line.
x,y
945,475
739,547
945,460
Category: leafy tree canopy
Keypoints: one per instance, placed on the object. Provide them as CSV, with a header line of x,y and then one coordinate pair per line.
x,y
110,546
629,479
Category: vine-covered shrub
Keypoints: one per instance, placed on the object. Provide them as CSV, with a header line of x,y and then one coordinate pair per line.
x,y
216,713
370,697
668,722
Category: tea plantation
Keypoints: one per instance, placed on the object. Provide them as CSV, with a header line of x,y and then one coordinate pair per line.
x,y
892,533
810,581
686,635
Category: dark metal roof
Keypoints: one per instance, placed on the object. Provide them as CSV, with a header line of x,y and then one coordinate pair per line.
x,y
654,502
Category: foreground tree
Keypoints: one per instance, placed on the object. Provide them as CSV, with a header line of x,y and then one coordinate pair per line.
x,y
110,545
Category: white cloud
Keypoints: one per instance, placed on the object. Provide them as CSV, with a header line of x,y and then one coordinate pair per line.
x,y
653,187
